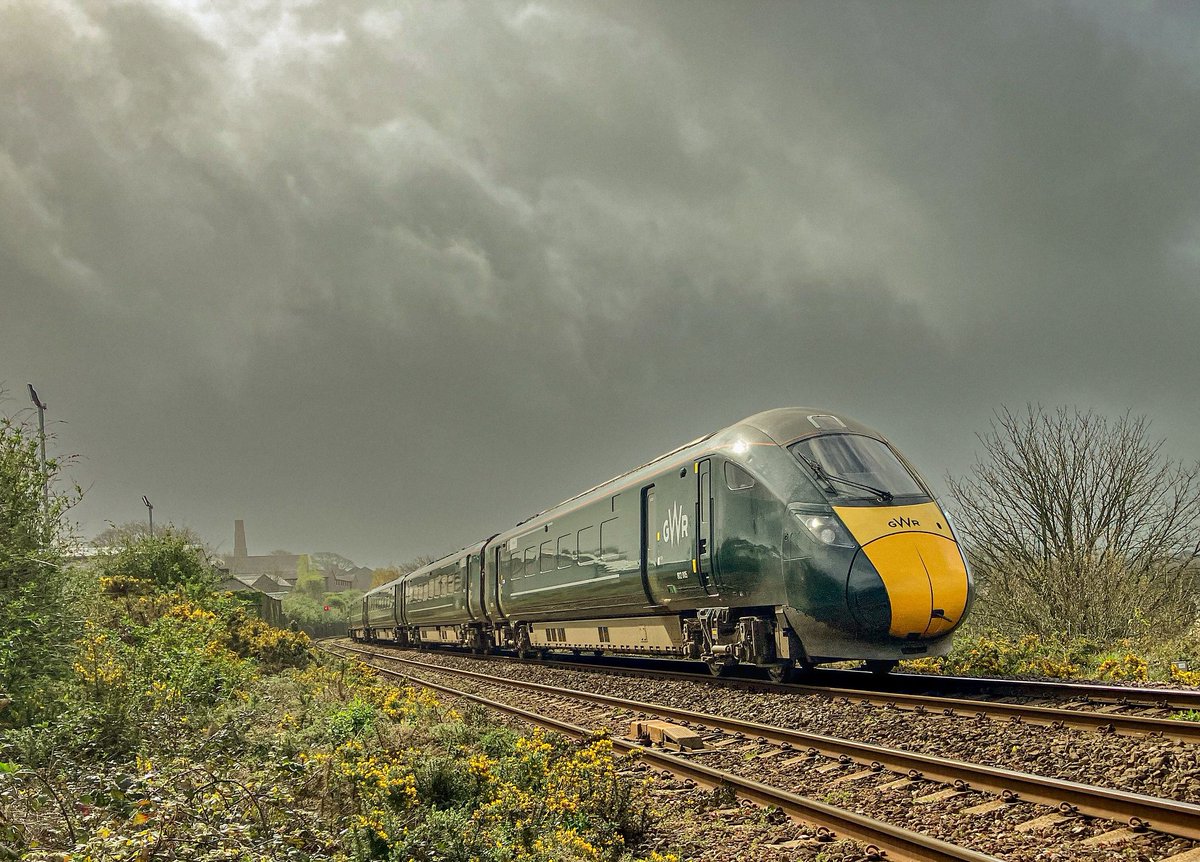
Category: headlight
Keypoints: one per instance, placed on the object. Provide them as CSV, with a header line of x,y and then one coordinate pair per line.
x,y
826,529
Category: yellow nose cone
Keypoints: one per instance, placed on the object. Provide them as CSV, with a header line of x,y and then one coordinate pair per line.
x,y
922,568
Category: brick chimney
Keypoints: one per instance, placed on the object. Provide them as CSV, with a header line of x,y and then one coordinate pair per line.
x,y
239,539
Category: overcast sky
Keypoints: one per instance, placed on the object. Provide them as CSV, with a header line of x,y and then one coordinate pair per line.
x,y
383,278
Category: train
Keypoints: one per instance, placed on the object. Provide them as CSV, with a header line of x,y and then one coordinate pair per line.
x,y
793,538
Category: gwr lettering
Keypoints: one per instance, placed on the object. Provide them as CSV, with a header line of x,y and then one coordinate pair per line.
x,y
904,522
675,527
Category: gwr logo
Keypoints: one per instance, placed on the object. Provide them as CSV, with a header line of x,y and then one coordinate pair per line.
x,y
675,527
904,522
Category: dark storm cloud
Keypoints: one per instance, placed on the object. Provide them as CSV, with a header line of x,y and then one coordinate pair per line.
x,y
325,265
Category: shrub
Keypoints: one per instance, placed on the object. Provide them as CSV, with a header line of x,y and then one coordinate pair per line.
x,y
1184,677
39,595
1125,667
273,648
994,655
167,561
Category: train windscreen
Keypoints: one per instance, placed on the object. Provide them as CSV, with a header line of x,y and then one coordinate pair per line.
x,y
851,466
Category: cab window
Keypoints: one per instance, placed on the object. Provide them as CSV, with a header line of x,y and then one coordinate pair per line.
x,y
853,466
737,479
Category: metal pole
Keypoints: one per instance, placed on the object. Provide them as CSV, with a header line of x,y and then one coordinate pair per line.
x,y
150,508
41,408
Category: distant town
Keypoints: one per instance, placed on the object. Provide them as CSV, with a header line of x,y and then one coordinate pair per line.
x,y
276,574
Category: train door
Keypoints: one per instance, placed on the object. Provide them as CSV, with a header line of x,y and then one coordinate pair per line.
x,y
492,582
479,585
471,584
649,521
704,528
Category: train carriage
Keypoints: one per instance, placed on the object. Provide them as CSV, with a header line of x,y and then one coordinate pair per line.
x,y
380,617
435,601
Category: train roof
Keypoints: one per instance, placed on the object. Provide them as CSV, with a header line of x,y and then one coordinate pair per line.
x,y
784,425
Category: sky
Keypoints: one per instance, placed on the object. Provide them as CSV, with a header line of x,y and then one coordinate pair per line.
x,y
384,278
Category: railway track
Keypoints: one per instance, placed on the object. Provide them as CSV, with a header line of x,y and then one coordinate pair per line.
x,y
1124,696
882,841
936,685
932,685
1077,714
1065,798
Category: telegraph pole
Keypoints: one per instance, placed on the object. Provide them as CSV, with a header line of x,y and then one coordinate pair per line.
x,y
41,408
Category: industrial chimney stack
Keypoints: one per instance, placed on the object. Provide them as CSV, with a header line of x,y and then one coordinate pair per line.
x,y
239,539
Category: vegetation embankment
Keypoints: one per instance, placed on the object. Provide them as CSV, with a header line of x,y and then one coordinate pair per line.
x,y
187,729
1149,659
144,715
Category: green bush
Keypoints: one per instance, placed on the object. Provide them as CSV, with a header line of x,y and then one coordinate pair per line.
x,y
991,654
168,560
40,598
442,783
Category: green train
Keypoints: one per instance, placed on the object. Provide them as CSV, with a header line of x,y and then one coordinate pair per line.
x,y
792,538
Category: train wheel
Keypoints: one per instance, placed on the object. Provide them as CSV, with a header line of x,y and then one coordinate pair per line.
x,y
880,667
781,672
525,648
720,665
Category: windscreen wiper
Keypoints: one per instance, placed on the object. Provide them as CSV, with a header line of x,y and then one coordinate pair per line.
x,y
884,496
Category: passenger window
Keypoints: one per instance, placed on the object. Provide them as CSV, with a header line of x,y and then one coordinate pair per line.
x,y
565,557
547,557
586,549
608,539
737,479
530,566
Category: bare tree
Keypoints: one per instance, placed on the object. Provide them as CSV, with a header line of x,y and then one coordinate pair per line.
x,y
1076,525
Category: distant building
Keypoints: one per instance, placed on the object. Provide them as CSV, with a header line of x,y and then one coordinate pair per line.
x,y
340,580
248,568
275,574
272,585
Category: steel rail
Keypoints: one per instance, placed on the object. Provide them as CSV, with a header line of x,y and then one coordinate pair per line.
x,y
1163,815
1160,698
883,841
1184,731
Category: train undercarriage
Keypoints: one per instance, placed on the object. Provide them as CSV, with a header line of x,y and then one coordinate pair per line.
x,y
722,638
